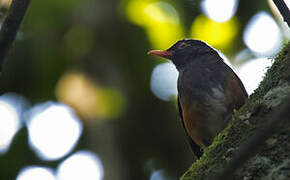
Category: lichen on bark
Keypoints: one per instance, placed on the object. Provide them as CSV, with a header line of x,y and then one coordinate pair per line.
x,y
273,159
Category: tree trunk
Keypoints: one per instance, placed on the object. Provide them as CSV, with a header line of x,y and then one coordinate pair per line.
x,y
272,159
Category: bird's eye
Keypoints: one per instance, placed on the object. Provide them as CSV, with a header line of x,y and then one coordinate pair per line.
x,y
182,46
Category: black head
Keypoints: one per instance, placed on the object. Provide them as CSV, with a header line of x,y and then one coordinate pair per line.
x,y
183,51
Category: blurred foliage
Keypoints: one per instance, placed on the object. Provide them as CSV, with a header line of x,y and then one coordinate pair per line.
x,y
219,35
155,17
106,42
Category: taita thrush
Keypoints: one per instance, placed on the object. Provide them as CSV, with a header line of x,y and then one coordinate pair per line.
x,y
208,90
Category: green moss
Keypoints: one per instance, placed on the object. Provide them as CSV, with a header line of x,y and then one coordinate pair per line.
x,y
278,71
245,121
280,172
275,96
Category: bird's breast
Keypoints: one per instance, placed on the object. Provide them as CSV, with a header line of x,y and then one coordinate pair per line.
x,y
204,116
204,107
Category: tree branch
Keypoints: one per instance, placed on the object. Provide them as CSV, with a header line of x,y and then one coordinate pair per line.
x,y
284,10
10,26
252,147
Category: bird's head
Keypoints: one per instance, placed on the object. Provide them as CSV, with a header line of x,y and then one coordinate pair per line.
x,y
183,51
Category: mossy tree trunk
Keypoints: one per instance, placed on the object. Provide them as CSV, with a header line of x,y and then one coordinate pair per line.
x,y
273,158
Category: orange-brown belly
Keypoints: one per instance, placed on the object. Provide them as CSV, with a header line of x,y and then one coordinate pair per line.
x,y
200,125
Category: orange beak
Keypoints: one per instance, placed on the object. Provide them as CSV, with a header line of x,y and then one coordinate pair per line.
x,y
165,54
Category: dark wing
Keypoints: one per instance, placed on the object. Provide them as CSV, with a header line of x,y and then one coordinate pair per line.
x,y
194,147
241,85
238,90
235,89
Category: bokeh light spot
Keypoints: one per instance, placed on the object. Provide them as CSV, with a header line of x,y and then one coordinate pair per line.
x,y
159,19
243,56
144,12
53,130
11,107
35,173
9,124
76,90
162,12
88,99
81,165
5,3
219,35
164,81
157,175
135,11
160,175
221,10
252,73
262,35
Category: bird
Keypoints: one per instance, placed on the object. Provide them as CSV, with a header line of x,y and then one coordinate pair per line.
x,y
208,90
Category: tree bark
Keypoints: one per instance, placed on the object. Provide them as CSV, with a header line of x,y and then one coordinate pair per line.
x,y
284,10
10,26
250,136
